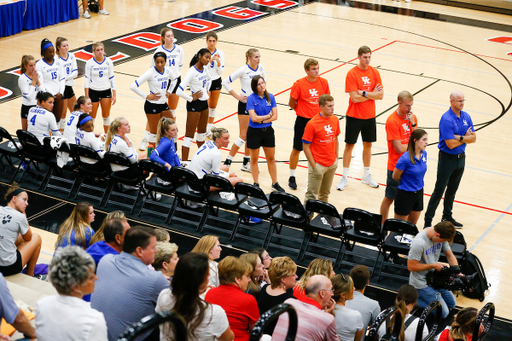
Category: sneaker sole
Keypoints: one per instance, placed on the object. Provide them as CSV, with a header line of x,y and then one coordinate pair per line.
x,y
245,170
367,183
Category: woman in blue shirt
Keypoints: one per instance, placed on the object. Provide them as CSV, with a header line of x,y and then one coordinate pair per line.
x,y
165,150
262,110
410,171
76,229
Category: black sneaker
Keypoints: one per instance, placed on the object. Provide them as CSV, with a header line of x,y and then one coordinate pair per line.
x,y
291,183
454,222
227,162
257,184
277,187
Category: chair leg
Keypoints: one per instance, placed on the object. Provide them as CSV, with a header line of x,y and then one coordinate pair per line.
x,y
380,268
375,263
338,259
108,192
17,171
304,245
49,175
144,198
268,236
237,224
174,206
137,199
204,218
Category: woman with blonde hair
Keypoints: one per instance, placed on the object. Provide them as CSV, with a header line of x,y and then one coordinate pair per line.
x,y
165,150
76,229
349,322
257,272
462,327
318,266
29,85
98,236
282,274
210,246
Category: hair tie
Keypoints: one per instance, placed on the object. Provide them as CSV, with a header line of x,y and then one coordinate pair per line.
x,y
47,45
85,119
14,193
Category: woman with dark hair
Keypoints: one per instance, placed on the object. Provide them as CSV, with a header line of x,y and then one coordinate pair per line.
x,y
349,322
410,171
18,245
67,316
40,120
76,229
70,70
405,301
265,260
204,321
82,106
262,110
85,136
198,79
29,85
216,67
462,327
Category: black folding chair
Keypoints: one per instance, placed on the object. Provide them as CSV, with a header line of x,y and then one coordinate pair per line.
x,y
152,186
384,316
459,248
57,174
273,314
433,306
153,321
93,173
486,322
10,148
35,155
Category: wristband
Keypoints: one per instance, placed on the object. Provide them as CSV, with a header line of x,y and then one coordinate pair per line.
x,y
461,138
414,125
364,93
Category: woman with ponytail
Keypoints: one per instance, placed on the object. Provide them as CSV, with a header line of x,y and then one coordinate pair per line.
x,y
349,322
29,85
82,106
204,321
70,69
405,301
462,326
165,152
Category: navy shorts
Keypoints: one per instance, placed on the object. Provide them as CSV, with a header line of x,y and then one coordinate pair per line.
x,y
68,92
197,106
391,186
152,108
406,202
216,84
25,109
242,108
299,127
96,95
354,126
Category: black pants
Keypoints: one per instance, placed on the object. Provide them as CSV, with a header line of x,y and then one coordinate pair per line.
x,y
449,173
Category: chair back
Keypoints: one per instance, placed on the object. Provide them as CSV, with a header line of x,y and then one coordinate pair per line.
x,y
32,148
328,210
433,306
250,191
4,134
212,180
288,202
487,323
85,151
400,226
364,221
117,159
186,175
153,321
459,239
384,316
272,315
152,167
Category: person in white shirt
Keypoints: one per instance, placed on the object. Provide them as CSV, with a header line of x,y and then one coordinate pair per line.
x,y
29,85
349,322
67,316
40,120
246,73
51,76
82,105
118,141
155,106
100,83
216,68
84,136
70,69
198,79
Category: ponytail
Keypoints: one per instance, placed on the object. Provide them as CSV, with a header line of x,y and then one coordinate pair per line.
x,y
218,132
411,148
43,97
249,54
463,324
79,102
45,43
254,86
112,130
195,59
24,62
163,125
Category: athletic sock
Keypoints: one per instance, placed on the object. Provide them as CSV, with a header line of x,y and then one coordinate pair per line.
x,y
173,113
366,171
247,159
345,172
229,157
292,172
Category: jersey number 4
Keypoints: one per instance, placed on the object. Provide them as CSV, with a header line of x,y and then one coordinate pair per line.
x,y
33,120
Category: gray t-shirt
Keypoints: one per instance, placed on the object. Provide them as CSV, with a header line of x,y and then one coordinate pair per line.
x,y
426,252
12,223
348,322
368,308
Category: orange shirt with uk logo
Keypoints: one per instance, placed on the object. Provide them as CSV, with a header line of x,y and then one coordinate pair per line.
x,y
367,80
321,134
397,129
307,94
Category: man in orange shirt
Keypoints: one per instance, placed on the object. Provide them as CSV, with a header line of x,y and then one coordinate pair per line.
x,y
364,85
320,143
304,100
399,127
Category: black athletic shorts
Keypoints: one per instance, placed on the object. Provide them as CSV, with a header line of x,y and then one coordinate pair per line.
x,y
197,106
260,137
152,108
216,84
406,202
242,108
177,85
68,92
299,127
14,268
96,95
25,109
368,129
391,186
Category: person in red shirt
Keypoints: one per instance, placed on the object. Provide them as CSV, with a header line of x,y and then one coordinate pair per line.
x,y
241,308
364,85
321,147
304,100
462,327
399,126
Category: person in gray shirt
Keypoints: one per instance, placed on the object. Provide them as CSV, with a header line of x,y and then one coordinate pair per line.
x,y
424,255
368,308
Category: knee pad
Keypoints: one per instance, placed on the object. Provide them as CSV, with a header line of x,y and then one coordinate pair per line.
x,y
152,138
106,121
173,113
187,142
212,112
239,142
200,137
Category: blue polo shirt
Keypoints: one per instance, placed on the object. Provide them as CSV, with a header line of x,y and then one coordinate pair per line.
x,y
451,125
413,174
261,107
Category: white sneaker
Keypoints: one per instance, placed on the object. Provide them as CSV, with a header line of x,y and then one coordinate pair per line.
x,y
162,182
369,181
104,12
342,184
143,144
155,196
86,15
246,167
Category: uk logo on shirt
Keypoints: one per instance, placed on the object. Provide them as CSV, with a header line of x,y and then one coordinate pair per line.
x,y
366,80
328,129
406,127
313,92
465,122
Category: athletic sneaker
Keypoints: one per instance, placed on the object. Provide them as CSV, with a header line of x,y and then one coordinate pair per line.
x,y
342,184
41,277
104,12
143,144
193,204
246,167
277,187
368,180
455,223
155,196
227,162
257,184
86,15
291,183
162,182
254,220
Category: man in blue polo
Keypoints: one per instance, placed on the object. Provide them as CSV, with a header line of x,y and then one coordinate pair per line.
x,y
455,132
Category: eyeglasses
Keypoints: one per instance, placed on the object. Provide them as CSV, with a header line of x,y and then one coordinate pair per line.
x,y
331,290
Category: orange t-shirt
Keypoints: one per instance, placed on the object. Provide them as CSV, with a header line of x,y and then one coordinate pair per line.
x,y
321,134
358,79
307,95
397,129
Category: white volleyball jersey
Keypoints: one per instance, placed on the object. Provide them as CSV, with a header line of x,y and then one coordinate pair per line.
x,y
40,122
51,76
157,83
28,91
70,129
196,80
70,68
118,145
246,74
99,76
175,59
207,160
89,139
214,68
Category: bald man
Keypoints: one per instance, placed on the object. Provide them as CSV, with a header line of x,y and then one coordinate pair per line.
x,y
455,132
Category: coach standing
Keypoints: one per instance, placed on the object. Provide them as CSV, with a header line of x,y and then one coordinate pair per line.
x,y
320,143
455,132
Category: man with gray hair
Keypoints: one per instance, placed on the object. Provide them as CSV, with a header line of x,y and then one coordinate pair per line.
x,y
314,313
455,132
114,233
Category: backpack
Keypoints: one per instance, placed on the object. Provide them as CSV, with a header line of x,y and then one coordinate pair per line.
x,y
387,336
470,265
